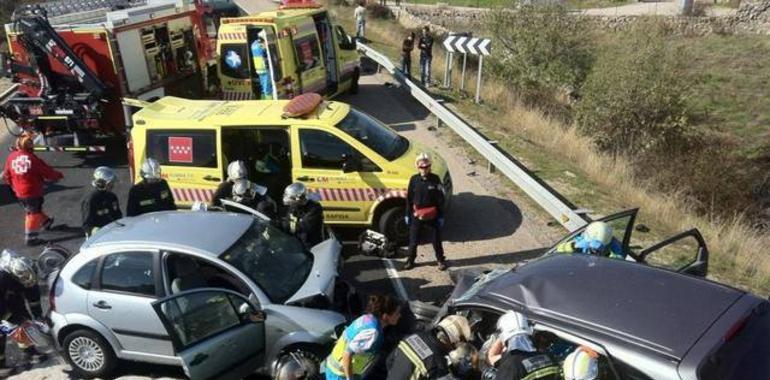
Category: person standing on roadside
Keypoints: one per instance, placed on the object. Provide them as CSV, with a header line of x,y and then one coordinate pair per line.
x,y
425,208
360,14
406,54
426,55
26,174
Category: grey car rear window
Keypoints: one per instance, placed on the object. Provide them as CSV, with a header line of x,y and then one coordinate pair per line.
x,y
745,354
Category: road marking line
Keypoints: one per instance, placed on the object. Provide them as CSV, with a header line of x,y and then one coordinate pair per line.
x,y
395,279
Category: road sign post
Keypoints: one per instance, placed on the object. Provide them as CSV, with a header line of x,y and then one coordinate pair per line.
x,y
465,44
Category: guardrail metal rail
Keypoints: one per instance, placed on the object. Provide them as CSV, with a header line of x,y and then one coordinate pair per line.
x,y
551,201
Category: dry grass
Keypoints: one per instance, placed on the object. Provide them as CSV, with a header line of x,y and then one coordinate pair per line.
x,y
738,252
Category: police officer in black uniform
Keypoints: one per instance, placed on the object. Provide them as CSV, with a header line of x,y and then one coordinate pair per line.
x,y
425,355
255,197
100,207
18,285
425,208
235,170
304,217
151,193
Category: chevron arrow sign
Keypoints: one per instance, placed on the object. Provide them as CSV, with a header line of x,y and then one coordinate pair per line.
x,y
468,45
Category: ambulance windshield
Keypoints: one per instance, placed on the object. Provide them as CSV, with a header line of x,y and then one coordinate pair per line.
x,y
375,135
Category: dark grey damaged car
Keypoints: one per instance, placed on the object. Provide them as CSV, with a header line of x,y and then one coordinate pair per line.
x,y
645,322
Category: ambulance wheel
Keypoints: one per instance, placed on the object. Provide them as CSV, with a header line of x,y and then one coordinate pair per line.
x,y
354,82
394,227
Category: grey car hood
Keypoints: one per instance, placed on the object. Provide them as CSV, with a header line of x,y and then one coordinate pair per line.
x,y
322,277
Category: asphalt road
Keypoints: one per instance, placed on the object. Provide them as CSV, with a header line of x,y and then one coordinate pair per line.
x,y
483,228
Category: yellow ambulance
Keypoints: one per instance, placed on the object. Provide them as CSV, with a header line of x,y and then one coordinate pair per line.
x,y
358,167
284,53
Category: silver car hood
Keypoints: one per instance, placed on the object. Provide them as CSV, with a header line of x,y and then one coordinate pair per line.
x,y
320,281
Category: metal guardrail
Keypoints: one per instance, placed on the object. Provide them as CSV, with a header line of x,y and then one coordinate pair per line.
x,y
551,201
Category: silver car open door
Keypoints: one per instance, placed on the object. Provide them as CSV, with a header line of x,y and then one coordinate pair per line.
x,y
217,333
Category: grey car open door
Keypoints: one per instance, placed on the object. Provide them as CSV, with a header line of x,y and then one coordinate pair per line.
x,y
217,333
684,253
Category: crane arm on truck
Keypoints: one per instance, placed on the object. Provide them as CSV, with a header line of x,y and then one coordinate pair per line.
x,y
38,36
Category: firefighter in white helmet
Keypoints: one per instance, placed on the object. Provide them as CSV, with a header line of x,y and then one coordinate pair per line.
x,y
151,193
100,207
597,239
581,364
255,197
426,355
235,170
304,217
513,356
19,295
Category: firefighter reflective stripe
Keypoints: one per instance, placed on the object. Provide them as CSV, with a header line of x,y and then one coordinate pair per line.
x,y
419,366
293,223
552,371
147,202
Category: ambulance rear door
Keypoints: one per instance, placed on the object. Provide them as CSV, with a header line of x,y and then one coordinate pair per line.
x,y
272,58
234,66
307,54
190,159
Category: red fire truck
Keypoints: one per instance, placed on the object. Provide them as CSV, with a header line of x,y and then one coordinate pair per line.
x,y
72,61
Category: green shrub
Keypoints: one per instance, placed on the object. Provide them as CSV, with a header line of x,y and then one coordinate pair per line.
x,y
541,51
637,95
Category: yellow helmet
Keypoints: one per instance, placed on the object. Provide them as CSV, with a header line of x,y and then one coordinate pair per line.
x,y
581,364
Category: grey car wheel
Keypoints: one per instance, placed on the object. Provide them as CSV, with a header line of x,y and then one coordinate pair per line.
x,y
88,354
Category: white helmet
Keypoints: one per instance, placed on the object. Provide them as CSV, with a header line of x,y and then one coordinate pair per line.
x,y
243,190
150,170
600,232
20,267
295,195
422,157
513,323
104,178
581,364
237,170
456,328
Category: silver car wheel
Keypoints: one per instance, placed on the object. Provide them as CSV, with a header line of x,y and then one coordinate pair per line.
x,y
86,354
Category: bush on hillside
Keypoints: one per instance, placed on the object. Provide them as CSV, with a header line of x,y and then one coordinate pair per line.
x,y
637,95
542,52
378,11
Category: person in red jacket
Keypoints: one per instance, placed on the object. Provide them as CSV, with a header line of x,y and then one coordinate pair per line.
x,y
26,173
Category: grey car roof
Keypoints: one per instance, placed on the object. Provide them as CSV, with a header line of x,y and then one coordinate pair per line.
x,y
212,232
658,310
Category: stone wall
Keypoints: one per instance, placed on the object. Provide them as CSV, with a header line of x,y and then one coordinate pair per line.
x,y
751,18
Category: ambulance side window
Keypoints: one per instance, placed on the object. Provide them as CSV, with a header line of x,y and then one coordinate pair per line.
x,y
183,148
308,53
322,150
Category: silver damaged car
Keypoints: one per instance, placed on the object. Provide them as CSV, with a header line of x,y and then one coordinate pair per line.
x,y
221,294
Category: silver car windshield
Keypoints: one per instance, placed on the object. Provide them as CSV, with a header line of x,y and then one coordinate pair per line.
x,y
275,261
375,135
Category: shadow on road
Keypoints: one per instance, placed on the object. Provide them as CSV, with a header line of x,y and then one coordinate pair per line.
x,y
474,217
